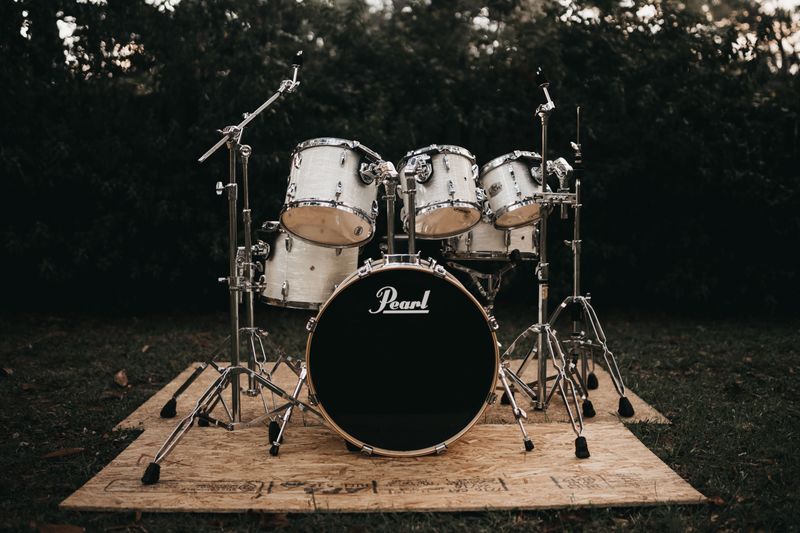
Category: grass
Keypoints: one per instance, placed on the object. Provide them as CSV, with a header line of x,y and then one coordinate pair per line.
x,y
729,387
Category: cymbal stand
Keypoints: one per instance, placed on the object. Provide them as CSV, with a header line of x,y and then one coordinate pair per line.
x,y
546,339
583,345
241,287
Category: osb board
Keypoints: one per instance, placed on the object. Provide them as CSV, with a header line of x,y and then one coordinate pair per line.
x,y
217,471
604,399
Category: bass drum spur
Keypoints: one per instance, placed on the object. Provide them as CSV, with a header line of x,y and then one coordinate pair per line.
x,y
402,359
299,274
329,200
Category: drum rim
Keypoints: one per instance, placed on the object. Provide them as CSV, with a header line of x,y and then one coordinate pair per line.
x,y
425,265
430,208
486,255
439,149
513,207
511,156
337,141
330,205
292,304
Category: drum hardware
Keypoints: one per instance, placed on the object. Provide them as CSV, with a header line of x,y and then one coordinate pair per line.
x,y
547,343
582,345
241,287
491,280
563,382
415,167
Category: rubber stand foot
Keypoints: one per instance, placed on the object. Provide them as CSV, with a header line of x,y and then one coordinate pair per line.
x,y
581,448
504,399
591,381
625,407
151,474
273,450
202,422
274,430
528,445
170,409
588,409
351,447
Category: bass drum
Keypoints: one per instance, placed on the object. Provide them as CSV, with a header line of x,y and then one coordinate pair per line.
x,y
402,360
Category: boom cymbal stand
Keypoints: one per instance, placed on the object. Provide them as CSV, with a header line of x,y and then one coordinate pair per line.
x,y
584,346
241,287
547,342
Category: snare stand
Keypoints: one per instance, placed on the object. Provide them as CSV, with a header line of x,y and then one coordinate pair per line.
x,y
240,284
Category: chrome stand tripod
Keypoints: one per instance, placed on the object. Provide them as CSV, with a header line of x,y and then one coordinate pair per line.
x,y
547,342
241,287
583,346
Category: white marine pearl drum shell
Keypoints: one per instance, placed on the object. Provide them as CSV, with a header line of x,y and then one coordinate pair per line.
x,y
327,202
447,203
484,242
510,182
301,275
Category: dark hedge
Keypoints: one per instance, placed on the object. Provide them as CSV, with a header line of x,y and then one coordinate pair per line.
x,y
690,139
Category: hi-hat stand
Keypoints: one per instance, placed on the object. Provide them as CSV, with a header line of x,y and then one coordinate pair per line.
x,y
583,346
547,343
241,286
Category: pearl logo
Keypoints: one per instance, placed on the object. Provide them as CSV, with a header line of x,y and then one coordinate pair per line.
x,y
389,305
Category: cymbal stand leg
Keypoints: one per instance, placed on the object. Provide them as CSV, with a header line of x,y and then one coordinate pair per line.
x,y
287,415
519,413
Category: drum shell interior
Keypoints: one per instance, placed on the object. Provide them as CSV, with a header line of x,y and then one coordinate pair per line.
x,y
317,208
410,389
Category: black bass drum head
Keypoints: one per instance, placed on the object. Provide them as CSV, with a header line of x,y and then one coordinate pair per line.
x,y
402,359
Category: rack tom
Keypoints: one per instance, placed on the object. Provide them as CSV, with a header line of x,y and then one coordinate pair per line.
x,y
447,200
485,242
510,183
330,201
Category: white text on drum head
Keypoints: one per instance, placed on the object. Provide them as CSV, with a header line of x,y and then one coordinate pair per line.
x,y
389,304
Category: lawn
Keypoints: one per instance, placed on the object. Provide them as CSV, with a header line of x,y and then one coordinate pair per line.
x,y
730,388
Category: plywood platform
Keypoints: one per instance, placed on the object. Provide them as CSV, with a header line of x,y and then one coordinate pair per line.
x,y
604,398
217,471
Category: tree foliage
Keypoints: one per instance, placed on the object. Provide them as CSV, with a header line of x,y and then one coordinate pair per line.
x,y
690,131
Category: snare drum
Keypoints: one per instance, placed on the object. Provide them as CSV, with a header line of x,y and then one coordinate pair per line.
x,y
485,242
510,182
402,360
300,275
447,198
330,201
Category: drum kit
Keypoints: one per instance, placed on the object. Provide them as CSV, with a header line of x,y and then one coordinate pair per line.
x,y
401,359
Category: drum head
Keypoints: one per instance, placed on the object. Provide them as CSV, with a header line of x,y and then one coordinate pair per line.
x,y
518,216
327,225
402,360
443,222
